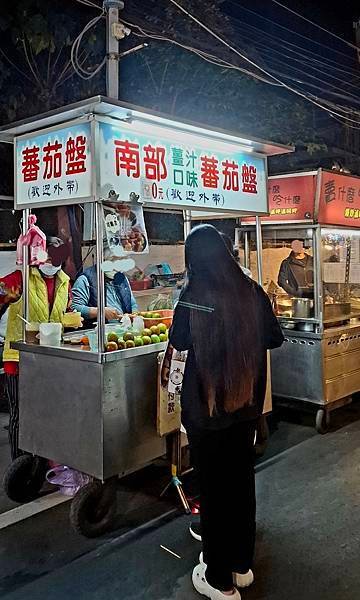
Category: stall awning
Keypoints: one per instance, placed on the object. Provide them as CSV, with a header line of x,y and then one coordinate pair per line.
x,y
104,149
100,105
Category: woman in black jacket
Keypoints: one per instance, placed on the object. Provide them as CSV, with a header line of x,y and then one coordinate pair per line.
x,y
226,323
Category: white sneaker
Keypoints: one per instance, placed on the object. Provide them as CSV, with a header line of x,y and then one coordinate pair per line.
x,y
204,588
195,531
241,580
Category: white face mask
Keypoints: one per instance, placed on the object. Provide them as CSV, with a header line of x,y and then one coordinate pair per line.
x,y
49,270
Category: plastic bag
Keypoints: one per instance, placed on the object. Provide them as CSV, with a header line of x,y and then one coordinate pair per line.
x,y
126,322
68,480
138,324
161,302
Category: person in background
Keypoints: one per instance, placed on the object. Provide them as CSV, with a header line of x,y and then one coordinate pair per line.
x,y
222,398
49,299
296,274
119,298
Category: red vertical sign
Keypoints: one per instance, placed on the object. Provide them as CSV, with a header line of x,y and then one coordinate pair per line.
x,y
339,200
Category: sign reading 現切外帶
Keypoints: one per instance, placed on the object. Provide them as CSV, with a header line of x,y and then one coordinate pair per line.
x,y
54,166
181,173
339,200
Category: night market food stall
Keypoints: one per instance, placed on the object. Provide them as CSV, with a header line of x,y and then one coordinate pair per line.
x,y
311,271
95,410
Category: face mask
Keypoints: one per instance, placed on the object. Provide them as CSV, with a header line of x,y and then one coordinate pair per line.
x,y
49,270
110,274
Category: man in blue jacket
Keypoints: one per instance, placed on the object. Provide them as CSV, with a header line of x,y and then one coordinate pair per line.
x,y
119,298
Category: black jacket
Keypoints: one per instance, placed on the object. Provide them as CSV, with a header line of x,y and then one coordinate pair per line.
x,y
195,414
297,275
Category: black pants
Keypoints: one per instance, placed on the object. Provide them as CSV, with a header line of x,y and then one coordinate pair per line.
x,y
225,464
12,393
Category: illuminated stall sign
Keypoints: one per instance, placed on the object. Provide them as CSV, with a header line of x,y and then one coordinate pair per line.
x,y
339,200
179,170
53,167
291,199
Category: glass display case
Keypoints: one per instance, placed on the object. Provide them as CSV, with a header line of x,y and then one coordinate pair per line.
x,y
340,267
312,276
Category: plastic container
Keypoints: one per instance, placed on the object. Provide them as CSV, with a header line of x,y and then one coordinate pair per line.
x,y
142,284
31,333
109,328
166,318
50,334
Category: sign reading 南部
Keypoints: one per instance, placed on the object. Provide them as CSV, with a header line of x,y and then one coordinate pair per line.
x,y
166,169
53,167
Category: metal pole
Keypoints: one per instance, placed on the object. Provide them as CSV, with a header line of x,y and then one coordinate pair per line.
x,y
318,279
99,227
259,251
187,223
246,250
112,8
25,273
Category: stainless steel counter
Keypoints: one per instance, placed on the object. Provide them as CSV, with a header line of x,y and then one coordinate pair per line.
x,y
97,415
320,368
79,353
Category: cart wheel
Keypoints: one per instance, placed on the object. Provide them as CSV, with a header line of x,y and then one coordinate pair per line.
x,y
262,437
91,514
24,478
322,421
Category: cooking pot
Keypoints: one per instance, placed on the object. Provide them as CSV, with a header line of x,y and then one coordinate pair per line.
x,y
338,309
302,308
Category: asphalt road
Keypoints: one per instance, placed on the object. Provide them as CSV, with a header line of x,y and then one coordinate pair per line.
x,y
308,534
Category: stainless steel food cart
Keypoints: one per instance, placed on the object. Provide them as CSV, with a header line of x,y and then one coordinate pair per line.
x,y
319,363
95,411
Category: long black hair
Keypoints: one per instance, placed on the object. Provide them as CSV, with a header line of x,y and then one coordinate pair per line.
x,y
223,321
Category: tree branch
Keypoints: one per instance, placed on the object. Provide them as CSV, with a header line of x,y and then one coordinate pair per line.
x,y
163,78
57,58
37,80
151,74
15,66
34,62
48,69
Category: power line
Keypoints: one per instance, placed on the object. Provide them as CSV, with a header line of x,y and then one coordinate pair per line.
x,y
75,49
315,24
89,3
296,60
226,65
289,45
311,98
312,41
204,55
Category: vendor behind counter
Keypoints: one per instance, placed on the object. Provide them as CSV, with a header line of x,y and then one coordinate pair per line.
x,y
119,298
296,274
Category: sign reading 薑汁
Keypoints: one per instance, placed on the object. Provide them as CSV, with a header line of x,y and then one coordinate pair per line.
x,y
180,170
53,167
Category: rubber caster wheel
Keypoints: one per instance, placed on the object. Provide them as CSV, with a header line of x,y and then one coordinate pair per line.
x,y
322,421
24,478
262,437
93,510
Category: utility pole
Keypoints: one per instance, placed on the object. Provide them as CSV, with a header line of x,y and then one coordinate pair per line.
x,y
114,32
356,26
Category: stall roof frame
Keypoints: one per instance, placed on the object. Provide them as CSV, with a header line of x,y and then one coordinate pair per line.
x,y
106,107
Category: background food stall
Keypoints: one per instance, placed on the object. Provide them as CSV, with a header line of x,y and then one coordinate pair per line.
x,y
319,364
100,417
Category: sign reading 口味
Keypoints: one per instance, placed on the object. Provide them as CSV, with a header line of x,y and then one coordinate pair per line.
x,y
179,173
53,167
